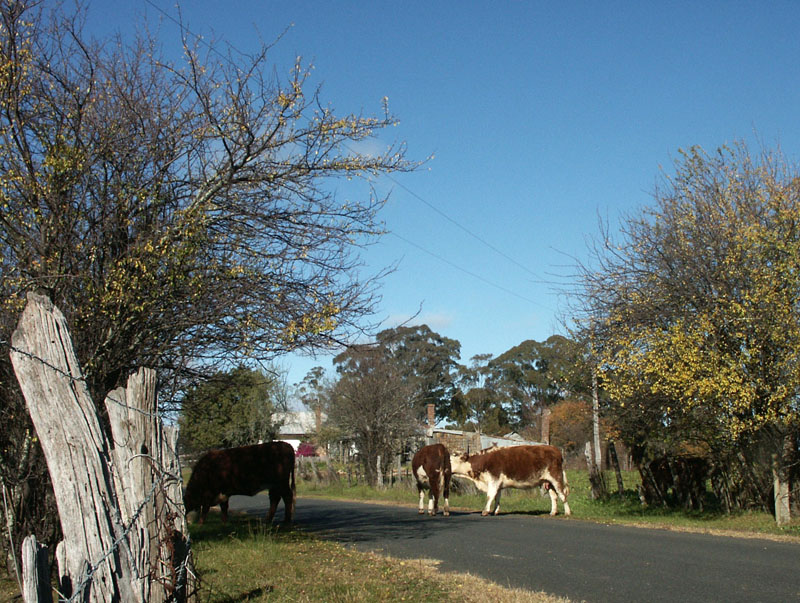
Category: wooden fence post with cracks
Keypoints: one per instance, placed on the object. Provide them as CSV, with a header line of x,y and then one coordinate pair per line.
x,y
119,499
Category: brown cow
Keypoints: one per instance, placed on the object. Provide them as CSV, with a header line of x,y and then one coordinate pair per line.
x,y
431,467
515,467
247,470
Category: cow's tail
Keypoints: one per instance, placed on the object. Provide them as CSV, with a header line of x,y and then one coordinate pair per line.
x,y
564,481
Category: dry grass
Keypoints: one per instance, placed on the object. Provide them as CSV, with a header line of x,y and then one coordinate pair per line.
x,y
247,561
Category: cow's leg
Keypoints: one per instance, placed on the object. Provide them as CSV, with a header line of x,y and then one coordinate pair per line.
x,y
223,506
288,505
274,499
204,509
446,495
433,501
563,498
492,492
556,491
553,500
421,491
497,501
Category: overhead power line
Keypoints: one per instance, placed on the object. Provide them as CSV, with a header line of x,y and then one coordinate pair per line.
x,y
462,227
419,198
469,272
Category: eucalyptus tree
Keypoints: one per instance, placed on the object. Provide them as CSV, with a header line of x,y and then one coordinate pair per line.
x,y
533,376
477,405
426,360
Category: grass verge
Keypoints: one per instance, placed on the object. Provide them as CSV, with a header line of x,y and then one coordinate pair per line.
x,y
246,560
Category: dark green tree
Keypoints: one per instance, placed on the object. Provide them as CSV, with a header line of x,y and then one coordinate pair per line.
x,y
535,375
230,409
427,361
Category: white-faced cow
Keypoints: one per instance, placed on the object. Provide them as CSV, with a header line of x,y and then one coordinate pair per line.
x,y
514,467
431,467
247,470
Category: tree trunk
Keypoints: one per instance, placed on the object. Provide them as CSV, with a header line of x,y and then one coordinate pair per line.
x,y
612,452
546,425
120,506
598,455
781,469
595,478
398,466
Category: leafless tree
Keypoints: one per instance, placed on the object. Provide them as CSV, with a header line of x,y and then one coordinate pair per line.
x,y
179,214
373,406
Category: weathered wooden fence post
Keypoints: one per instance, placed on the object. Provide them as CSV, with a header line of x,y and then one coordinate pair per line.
x,y
35,572
119,502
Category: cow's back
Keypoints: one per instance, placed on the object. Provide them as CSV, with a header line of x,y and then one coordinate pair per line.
x,y
518,463
433,456
245,470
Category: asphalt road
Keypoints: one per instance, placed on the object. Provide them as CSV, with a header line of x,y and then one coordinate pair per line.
x,y
580,560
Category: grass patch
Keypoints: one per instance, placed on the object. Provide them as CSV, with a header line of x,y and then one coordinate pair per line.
x,y
9,589
246,560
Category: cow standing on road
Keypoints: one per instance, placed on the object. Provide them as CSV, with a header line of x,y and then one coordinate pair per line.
x,y
431,468
515,467
247,470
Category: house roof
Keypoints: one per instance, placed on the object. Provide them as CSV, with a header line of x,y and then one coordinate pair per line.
x,y
297,422
487,441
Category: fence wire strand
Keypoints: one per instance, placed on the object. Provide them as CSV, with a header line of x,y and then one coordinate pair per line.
x,y
183,578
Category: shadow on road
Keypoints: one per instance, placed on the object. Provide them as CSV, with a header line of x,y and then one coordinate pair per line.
x,y
346,521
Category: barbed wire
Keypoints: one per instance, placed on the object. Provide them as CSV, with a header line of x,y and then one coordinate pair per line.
x,y
166,526
78,379
92,568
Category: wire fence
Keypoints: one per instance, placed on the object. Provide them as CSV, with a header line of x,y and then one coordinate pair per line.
x,y
137,546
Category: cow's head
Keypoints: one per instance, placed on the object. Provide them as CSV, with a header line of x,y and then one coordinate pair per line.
x,y
459,464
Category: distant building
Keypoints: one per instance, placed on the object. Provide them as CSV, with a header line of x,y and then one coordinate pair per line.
x,y
456,440
471,442
299,427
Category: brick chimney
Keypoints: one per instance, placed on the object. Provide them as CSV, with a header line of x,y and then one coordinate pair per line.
x,y
431,422
546,426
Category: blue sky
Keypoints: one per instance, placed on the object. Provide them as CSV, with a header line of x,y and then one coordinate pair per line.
x,y
540,118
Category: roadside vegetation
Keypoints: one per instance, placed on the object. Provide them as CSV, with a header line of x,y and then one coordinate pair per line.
x,y
615,509
245,560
